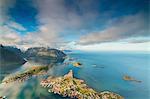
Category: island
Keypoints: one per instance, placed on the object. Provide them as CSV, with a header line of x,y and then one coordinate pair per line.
x,y
128,78
68,86
77,64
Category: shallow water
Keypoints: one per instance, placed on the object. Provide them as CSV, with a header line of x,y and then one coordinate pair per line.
x,y
100,70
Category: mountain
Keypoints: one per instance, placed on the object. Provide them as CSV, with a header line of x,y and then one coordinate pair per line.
x,y
10,56
44,54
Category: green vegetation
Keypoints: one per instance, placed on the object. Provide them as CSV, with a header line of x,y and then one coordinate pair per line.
x,y
36,70
75,88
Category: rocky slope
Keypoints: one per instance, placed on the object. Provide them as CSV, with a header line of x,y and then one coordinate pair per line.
x,y
10,55
43,54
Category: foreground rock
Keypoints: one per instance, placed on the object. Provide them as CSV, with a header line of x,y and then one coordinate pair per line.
x,y
68,86
2,97
37,70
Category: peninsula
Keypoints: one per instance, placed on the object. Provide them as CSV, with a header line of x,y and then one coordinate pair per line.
x,y
68,86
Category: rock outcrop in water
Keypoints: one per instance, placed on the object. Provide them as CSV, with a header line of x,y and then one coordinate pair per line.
x,y
77,64
68,86
128,78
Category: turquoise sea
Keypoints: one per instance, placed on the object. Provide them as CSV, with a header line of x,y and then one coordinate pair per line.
x,y
100,70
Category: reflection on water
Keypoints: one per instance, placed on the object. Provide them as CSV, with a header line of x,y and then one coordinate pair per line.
x,y
46,60
29,88
7,68
115,66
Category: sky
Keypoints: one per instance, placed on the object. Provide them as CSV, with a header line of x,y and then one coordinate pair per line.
x,y
76,24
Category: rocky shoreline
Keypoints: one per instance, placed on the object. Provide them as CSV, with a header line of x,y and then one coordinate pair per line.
x,y
68,86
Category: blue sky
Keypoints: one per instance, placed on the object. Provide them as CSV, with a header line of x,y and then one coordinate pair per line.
x,y
75,23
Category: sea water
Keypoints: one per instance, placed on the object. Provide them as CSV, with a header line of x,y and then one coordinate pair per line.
x,y
102,71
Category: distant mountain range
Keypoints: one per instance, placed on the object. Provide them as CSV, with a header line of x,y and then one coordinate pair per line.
x,y
12,55
42,54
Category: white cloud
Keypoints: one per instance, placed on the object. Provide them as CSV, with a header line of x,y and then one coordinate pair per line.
x,y
8,36
4,6
116,46
15,25
126,27
55,18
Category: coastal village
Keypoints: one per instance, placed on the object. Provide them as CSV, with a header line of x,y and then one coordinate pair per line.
x,y
74,49
65,86
68,86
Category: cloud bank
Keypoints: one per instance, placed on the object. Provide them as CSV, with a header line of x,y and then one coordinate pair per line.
x,y
126,27
83,22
